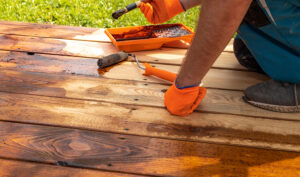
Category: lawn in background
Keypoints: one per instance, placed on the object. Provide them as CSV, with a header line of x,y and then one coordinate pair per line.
x,y
87,13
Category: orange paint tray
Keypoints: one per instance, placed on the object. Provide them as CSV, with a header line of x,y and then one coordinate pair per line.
x,y
139,38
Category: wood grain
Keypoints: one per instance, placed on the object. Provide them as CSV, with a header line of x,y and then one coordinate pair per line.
x,y
10,168
164,56
35,46
140,155
122,91
53,31
216,78
226,60
39,86
151,121
55,46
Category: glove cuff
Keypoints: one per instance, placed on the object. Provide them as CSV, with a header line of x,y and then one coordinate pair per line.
x,y
182,5
180,88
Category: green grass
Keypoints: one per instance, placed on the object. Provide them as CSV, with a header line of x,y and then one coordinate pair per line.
x,y
87,13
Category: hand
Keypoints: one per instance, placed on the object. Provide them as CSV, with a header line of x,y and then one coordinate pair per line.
x,y
182,102
159,11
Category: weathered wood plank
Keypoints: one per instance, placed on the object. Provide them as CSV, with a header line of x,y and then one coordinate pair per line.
x,y
124,91
55,46
10,168
216,78
141,155
227,60
53,31
151,121
61,32
164,56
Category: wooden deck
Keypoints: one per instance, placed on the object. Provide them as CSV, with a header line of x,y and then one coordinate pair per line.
x,y
60,117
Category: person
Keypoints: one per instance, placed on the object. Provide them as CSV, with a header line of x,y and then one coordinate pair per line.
x,y
267,41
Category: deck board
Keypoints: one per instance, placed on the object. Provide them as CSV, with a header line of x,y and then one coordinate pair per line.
x,y
10,168
125,91
57,110
53,31
216,78
226,60
55,46
140,155
164,56
150,121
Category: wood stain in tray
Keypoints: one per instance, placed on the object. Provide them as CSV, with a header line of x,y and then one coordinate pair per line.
x,y
148,37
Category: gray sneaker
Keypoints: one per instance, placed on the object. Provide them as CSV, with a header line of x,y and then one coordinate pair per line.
x,y
275,96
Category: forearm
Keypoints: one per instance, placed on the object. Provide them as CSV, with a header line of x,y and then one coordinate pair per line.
x,y
218,22
190,3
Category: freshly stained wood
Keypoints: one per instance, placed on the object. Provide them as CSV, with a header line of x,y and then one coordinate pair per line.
x,y
10,168
140,155
151,121
124,91
53,31
62,32
216,78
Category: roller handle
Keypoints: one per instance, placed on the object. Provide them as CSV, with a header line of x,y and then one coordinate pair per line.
x,y
127,9
163,74
112,59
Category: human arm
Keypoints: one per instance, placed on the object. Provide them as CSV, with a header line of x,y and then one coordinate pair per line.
x,y
217,24
187,4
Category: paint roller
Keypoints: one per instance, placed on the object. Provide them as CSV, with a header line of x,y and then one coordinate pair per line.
x,y
149,70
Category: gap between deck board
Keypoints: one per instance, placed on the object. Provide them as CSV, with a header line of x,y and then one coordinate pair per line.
x,y
139,155
150,122
61,32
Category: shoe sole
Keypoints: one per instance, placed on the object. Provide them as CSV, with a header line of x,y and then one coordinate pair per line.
x,y
275,108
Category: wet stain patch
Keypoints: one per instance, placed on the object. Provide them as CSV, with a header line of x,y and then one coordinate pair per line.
x,y
220,132
153,31
102,71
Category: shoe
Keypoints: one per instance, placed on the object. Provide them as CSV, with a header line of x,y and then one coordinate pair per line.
x,y
274,96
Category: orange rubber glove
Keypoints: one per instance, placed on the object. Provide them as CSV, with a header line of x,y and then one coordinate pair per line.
x,y
182,102
159,11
